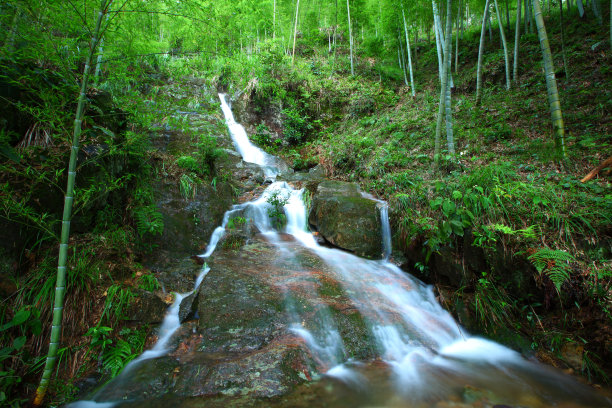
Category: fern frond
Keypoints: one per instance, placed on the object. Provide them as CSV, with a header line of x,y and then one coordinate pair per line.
x,y
554,264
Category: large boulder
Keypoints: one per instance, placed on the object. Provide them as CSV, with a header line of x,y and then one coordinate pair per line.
x,y
347,219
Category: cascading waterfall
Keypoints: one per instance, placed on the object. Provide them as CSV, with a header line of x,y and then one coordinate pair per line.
x,y
429,355
249,152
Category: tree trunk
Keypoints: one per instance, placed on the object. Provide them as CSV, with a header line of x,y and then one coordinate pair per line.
x,y
348,12
274,20
297,9
580,8
551,82
517,36
507,17
450,141
400,55
445,83
596,9
565,64
408,52
504,44
480,52
459,14
60,284
437,34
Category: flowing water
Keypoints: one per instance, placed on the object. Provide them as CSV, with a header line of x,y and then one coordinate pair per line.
x,y
417,354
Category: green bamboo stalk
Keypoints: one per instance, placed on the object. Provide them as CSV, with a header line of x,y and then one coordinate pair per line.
x,y
551,82
480,52
60,284
445,82
351,43
297,10
504,44
517,37
409,56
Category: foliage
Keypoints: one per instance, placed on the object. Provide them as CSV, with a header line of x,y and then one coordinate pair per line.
x,y
492,305
276,210
148,282
14,334
553,263
118,299
297,126
124,350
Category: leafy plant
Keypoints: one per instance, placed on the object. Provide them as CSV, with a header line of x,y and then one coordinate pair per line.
x,y
276,210
188,185
297,126
117,301
554,264
148,282
492,305
149,221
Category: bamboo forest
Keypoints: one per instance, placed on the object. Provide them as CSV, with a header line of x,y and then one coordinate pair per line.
x,y
306,203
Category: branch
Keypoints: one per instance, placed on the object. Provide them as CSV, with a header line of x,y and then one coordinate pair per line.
x,y
593,173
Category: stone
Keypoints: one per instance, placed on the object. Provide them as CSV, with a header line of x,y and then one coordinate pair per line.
x,y
146,307
346,219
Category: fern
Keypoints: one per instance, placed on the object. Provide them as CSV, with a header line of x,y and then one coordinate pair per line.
x,y
554,264
148,220
115,358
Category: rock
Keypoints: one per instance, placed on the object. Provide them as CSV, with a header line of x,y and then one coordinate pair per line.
x,y
188,307
188,224
146,308
346,219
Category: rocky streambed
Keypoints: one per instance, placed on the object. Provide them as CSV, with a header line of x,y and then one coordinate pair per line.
x,y
283,319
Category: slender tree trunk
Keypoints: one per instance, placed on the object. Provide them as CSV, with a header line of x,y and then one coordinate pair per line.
x,y
60,284
400,55
508,17
416,44
297,10
504,44
445,83
348,12
517,36
274,20
565,64
596,9
480,52
408,52
551,82
489,27
580,8
459,14
437,35
450,141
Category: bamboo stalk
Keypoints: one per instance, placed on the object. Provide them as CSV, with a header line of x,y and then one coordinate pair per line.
x,y
60,284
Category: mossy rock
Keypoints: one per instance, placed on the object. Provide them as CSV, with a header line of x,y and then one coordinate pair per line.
x,y
346,219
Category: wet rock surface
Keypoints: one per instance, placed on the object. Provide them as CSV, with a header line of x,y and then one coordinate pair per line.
x,y
239,340
346,219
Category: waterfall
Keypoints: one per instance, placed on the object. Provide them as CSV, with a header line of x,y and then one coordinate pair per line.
x,y
428,355
386,230
249,152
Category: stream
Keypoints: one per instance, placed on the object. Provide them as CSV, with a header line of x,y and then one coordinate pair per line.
x,y
283,321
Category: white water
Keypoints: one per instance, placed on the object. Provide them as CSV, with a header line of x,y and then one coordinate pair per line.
x,y
249,152
169,326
